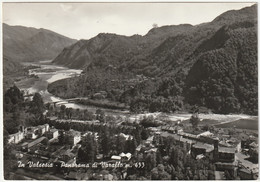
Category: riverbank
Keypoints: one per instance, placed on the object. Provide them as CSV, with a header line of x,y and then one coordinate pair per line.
x,y
103,104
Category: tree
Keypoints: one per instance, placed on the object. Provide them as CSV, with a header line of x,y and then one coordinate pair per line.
x,y
14,94
38,103
62,111
68,112
61,138
194,120
144,134
150,161
105,143
88,150
155,25
131,145
100,115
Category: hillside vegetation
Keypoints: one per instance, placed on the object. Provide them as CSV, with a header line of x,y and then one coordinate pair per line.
x,y
171,68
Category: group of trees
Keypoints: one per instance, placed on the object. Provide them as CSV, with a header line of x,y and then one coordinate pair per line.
x,y
107,145
224,78
18,111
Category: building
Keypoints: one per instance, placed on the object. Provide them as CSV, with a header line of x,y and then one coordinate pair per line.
x,y
42,129
253,152
202,148
127,137
245,174
139,147
16,137
52,134
151,150
26,146
206,133
19,136
149,140
229,166
72,137
226,154
126,156
31,135
115,157
172,129
84,137
188,135
186,143
31,132
174,136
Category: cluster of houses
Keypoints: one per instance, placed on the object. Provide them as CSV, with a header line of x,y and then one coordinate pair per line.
x,y
31,133
32,138
219,149
206,145
35,135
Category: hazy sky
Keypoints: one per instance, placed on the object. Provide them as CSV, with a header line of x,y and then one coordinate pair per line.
x,y
85,20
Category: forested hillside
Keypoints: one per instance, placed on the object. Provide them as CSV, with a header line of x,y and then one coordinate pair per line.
x,y
212,65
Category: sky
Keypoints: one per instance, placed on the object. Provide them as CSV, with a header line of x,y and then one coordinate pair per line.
x,y
86,20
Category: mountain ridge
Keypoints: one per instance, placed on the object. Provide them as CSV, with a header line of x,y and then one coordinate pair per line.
x,y
30,44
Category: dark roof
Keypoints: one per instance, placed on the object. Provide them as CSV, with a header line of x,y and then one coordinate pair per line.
x,y
226,150
73,133
186,140
36,141
245,171
52,130
165,134
206,146
226,163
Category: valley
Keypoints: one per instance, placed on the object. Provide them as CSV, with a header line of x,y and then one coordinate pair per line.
x,y
177,103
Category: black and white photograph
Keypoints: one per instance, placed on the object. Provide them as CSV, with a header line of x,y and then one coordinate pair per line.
x,y
129,91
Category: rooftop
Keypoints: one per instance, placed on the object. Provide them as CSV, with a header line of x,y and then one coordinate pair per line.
x,y
188,135
73,133
206,146
115,157
166,134
226,150
36,141
185,140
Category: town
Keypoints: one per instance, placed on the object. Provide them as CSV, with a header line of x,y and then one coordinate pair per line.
x,y
85,150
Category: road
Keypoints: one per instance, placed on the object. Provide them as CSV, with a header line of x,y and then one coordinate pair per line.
x,y
241,157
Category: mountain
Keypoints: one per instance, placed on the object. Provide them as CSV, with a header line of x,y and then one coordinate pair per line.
x,y
23,44
113,48
176,67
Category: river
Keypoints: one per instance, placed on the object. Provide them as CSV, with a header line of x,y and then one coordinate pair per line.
x,y
48,73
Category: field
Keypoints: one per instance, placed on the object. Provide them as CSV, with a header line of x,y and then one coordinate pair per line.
x,y
250,124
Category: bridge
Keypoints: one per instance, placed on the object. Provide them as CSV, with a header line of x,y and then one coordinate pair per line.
x,y
72,100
